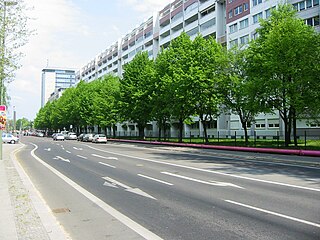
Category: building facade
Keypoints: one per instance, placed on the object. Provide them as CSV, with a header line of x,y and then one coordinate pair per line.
x,y
230,22
54,81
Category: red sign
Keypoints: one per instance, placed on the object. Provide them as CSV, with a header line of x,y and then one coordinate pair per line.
x,y
3,117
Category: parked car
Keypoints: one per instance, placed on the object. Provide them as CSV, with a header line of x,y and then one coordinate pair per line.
x,y
80,137
71,136
9,138
88,137
99,138
58,136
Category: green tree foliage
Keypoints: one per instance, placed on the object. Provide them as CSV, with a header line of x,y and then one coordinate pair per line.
x,y
135,91
284,60
208,72
175,64
242,95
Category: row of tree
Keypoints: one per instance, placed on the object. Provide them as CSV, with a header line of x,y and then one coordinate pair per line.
x,y
278,71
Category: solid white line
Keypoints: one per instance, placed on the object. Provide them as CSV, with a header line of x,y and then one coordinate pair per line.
x,y
112,158
105,164
68,151
221,184
211,171
113,212
276,214
82,157
154,179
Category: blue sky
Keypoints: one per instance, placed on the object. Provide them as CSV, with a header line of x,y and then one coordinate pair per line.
x,y
69,33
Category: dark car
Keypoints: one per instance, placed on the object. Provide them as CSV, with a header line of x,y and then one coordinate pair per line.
x,y
80,137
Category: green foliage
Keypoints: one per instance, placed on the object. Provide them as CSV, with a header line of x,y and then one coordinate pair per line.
x,y
135,91
284,61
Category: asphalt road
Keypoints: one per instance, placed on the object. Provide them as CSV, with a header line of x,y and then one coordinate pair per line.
x,y
174,193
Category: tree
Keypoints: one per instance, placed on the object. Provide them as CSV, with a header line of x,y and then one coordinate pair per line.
x,y
176,62
284,61
241,94
23,124
13,35
135,92
207,71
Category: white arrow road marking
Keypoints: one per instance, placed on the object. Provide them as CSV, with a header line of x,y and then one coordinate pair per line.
x,y
47,149
105,164
61,158
111,158
82,157
154,179
80,149
127,188
220,184
274,213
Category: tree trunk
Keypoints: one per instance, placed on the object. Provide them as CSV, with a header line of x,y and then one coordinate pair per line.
x,y
141,131
159,130
294,126
204,124
180,130
113,130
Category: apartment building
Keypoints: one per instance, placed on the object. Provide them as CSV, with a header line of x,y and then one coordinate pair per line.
x,y
230,22
54,81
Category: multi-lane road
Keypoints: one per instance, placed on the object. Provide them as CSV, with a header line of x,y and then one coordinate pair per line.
x,y
172,193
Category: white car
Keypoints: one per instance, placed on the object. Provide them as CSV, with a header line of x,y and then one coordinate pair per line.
x,y
58,136
9,138
99,138
71,136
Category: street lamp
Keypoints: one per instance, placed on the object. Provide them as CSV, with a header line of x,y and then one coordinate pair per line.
x,y
3,47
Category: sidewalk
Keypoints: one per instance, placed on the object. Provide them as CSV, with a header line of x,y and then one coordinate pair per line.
x,y
21,205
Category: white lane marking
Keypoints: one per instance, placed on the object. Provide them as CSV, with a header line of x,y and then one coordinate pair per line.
x,y
61,158
82,157
80,149
47,149
111,158
220,184
274,213
128,188
211,171
154,179
145,233
108,165
68,151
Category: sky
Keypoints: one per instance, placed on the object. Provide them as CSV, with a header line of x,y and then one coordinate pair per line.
x,y
68,34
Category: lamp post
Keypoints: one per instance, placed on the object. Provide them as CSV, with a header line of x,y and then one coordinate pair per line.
x,y
3,47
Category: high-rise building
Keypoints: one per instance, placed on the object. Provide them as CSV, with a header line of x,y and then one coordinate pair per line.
x,y
55,80
230,22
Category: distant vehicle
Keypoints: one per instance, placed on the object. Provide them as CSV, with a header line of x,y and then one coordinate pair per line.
x,y
80,137
9,138
99,138
88,137
58,136
40,134
71,136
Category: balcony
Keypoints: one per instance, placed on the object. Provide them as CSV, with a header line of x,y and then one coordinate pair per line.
x,y
205,5
176,34
207,18
191,25
164,40
164,29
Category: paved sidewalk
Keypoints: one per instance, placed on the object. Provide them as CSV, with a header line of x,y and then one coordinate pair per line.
x,y
21,206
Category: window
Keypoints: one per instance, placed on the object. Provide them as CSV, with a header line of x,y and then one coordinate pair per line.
x,y
208,24
309,3
148,34
268,13
296,6
273,125
230,14
208,10
262,125
238,10
316,21
244,40
302,6
315,2
177,16
233,43
245,6
244,23
256,17
256,2
191,7
309,21
233,28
